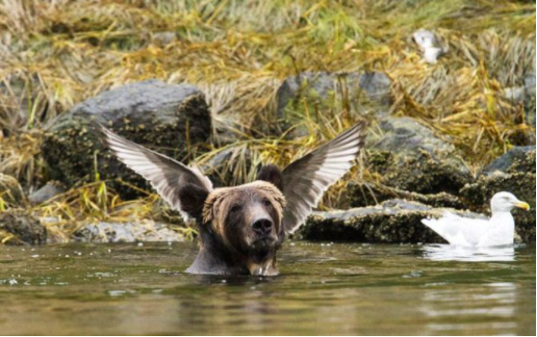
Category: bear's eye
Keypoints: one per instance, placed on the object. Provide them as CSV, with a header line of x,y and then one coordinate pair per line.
x,y
267,203
235,208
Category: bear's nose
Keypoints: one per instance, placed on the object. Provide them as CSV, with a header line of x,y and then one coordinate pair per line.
x,y
262,226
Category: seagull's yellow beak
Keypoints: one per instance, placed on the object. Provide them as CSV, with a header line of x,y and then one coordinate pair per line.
x,y
523,205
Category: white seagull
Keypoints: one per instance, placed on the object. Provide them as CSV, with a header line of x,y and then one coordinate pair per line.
x,y
499,230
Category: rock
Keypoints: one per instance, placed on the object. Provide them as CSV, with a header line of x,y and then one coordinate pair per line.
x,y
146,231
405,135
394,221
521,184
511,160
25,228
47,192
172,119
377,86
319,87
408,156
529,84
368,194
10,191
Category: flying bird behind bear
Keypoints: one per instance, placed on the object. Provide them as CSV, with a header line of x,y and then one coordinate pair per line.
x,y
242,227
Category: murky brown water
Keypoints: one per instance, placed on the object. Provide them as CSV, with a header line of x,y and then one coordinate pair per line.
x,y
323,289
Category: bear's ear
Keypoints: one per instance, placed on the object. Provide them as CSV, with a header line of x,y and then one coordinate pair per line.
x,y
192,198
272,174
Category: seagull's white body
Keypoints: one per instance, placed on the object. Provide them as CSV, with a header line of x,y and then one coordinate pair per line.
x,y
499,230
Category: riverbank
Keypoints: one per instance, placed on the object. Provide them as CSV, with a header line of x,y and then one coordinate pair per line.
x,y
227,87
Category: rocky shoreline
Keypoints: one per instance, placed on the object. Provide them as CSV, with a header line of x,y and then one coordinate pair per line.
x,y
418,174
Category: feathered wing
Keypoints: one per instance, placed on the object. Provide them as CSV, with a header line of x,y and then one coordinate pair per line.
x,y
165,174
458,230
306,179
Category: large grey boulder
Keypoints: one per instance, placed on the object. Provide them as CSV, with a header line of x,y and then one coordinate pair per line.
x,y
171,119
320,85
393,221
366,194
408,156
319,89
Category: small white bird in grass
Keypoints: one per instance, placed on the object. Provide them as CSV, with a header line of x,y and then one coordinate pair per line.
x,y
429,45
499,230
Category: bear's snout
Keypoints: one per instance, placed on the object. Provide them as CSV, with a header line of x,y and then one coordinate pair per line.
x,y
262,226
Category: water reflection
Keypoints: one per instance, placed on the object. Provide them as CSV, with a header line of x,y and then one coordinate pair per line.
x,y
490,309
445,252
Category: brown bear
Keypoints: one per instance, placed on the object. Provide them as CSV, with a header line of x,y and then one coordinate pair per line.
x,y
242,227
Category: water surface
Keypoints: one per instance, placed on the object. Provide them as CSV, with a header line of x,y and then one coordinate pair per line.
x,y
323,289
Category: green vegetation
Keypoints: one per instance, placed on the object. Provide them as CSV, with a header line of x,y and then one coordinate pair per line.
x,y
54,54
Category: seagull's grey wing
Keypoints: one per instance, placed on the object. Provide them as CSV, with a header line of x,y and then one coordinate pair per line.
x,y
306,179
165,174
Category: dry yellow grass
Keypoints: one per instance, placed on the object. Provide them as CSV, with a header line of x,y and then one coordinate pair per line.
x,y
56,53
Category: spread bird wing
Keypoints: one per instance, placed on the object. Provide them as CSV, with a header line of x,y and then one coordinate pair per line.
x,y
306,179
165,174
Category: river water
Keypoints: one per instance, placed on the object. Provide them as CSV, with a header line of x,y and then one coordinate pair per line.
x,y
322,289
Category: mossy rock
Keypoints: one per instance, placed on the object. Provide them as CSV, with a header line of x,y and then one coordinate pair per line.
x,y
409,156
142,231
518,159
522,185
25,228
368,194
394,221
319,91
171,119
422,173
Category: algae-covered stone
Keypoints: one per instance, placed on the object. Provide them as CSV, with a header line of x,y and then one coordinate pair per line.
x,y
517,159
394,221
25,228
409,156
368,194
522,185
422,173
147,231
172,119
